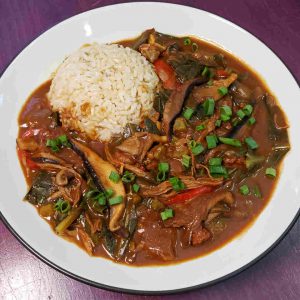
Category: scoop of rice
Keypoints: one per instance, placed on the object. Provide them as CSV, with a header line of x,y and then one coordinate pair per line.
x,y
100,88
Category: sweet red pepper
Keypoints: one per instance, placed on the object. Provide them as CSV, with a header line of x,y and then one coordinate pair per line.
x,y
190,194
166,74
23,157
220,73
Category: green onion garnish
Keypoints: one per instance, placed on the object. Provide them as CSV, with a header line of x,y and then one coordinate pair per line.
x,y
251,121
166,214
230,141
188,112
186,159
209,83
163,168
205,71
177,184
248,109
114,177
57,143
218,123
109,193
236,121
251,143
218,170
115,200
271,172
195,47
211,141
195,147
101,199
244,189
128,177
256,192
187,41
209,106
200,127
53,144
240,114
135,187
226,110
223,90
224,118
62,206
215,161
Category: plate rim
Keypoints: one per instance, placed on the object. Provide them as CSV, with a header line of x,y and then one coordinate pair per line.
x,y
148,292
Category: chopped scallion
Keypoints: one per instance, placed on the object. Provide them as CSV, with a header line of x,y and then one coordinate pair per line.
x,y
205,71
218,123
115,200
163,167
240,114
195,147
166,214
244,190
177,184
248,109
256,192
211,141
195,47
218,170
271,172
114,177
251,143
135,187
209,106
224,118
215,161
62,206
200,127
187,41
186,160
223,90
128,177
251,121
226,110
188,112
230,141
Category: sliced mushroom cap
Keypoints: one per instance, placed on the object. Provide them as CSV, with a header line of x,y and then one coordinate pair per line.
x,y
100,171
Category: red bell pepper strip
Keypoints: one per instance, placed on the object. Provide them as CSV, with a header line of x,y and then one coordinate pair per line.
x,y
166,74
220,73
23,157
190,194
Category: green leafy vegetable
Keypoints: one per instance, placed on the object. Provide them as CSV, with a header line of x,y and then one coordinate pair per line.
x,y
244,190
128,177
62,206
114,177
166,214
177,184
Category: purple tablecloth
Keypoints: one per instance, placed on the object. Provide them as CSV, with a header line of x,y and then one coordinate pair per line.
x,y
276,276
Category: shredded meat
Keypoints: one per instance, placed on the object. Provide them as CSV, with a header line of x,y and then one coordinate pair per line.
x,y
152,237
203,92
189,181
193,213
138,144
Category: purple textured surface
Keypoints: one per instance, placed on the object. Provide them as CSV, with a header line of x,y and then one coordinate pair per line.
x,y
276,276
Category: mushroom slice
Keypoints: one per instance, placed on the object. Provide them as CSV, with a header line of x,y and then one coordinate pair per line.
x,y
100,170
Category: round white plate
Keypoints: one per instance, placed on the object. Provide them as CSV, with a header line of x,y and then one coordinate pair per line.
x,y
34,65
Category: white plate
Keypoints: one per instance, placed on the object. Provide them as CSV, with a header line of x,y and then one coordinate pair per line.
x,y
34,65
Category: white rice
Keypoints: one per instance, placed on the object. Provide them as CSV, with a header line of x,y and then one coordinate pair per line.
x,y
100,88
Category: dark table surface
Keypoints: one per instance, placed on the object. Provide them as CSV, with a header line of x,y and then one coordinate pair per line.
x,y
276,276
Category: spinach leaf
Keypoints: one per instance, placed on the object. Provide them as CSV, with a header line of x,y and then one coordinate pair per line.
x,y
41,189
